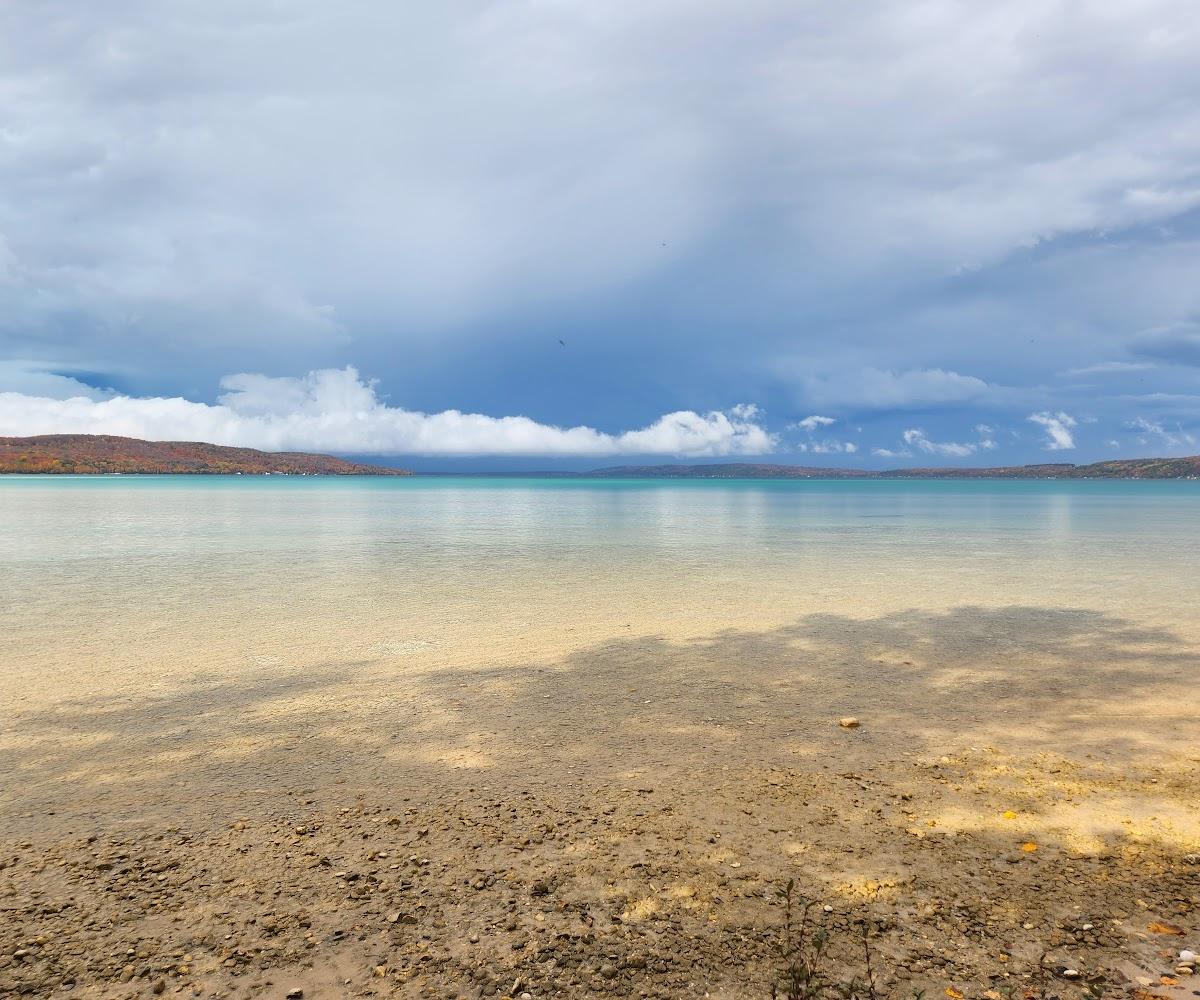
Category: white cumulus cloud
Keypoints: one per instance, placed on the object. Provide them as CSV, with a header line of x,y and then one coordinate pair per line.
x,y
813,422
829,446
987,440
337,410
917,438
1058,429
823,446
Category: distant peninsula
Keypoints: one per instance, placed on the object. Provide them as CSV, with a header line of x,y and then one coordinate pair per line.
x,y
1128,468
99,454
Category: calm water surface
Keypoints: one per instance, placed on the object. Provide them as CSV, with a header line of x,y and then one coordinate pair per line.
x,y
114,576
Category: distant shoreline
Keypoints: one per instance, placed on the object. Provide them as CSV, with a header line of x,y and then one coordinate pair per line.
x,y
584,477
86,454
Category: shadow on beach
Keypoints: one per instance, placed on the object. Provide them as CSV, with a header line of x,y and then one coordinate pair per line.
x,y
1023,678
620,819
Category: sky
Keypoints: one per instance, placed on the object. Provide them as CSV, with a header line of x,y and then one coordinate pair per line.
x,y
545,234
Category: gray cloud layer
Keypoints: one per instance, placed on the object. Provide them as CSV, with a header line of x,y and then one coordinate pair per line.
x,y
855,209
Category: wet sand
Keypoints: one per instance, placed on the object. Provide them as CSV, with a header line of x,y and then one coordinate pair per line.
x,y
615,813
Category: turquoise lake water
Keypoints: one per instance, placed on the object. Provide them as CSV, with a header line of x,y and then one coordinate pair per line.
x,y
195,573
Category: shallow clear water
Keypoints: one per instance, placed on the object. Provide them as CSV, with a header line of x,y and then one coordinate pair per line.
x,y
113,577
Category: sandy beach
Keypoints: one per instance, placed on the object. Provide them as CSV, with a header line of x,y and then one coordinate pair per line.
x,y
619,819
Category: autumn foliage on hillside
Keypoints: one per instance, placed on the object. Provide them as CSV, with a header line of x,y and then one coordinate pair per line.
x,y
1126,468
94,453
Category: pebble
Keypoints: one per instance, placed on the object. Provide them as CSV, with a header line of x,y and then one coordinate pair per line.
x,y
559,937
849,722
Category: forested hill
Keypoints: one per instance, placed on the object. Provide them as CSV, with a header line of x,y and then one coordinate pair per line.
x,y
1131,468
96,453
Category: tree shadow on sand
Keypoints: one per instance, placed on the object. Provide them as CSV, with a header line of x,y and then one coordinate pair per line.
x,y
1023,679
620,818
